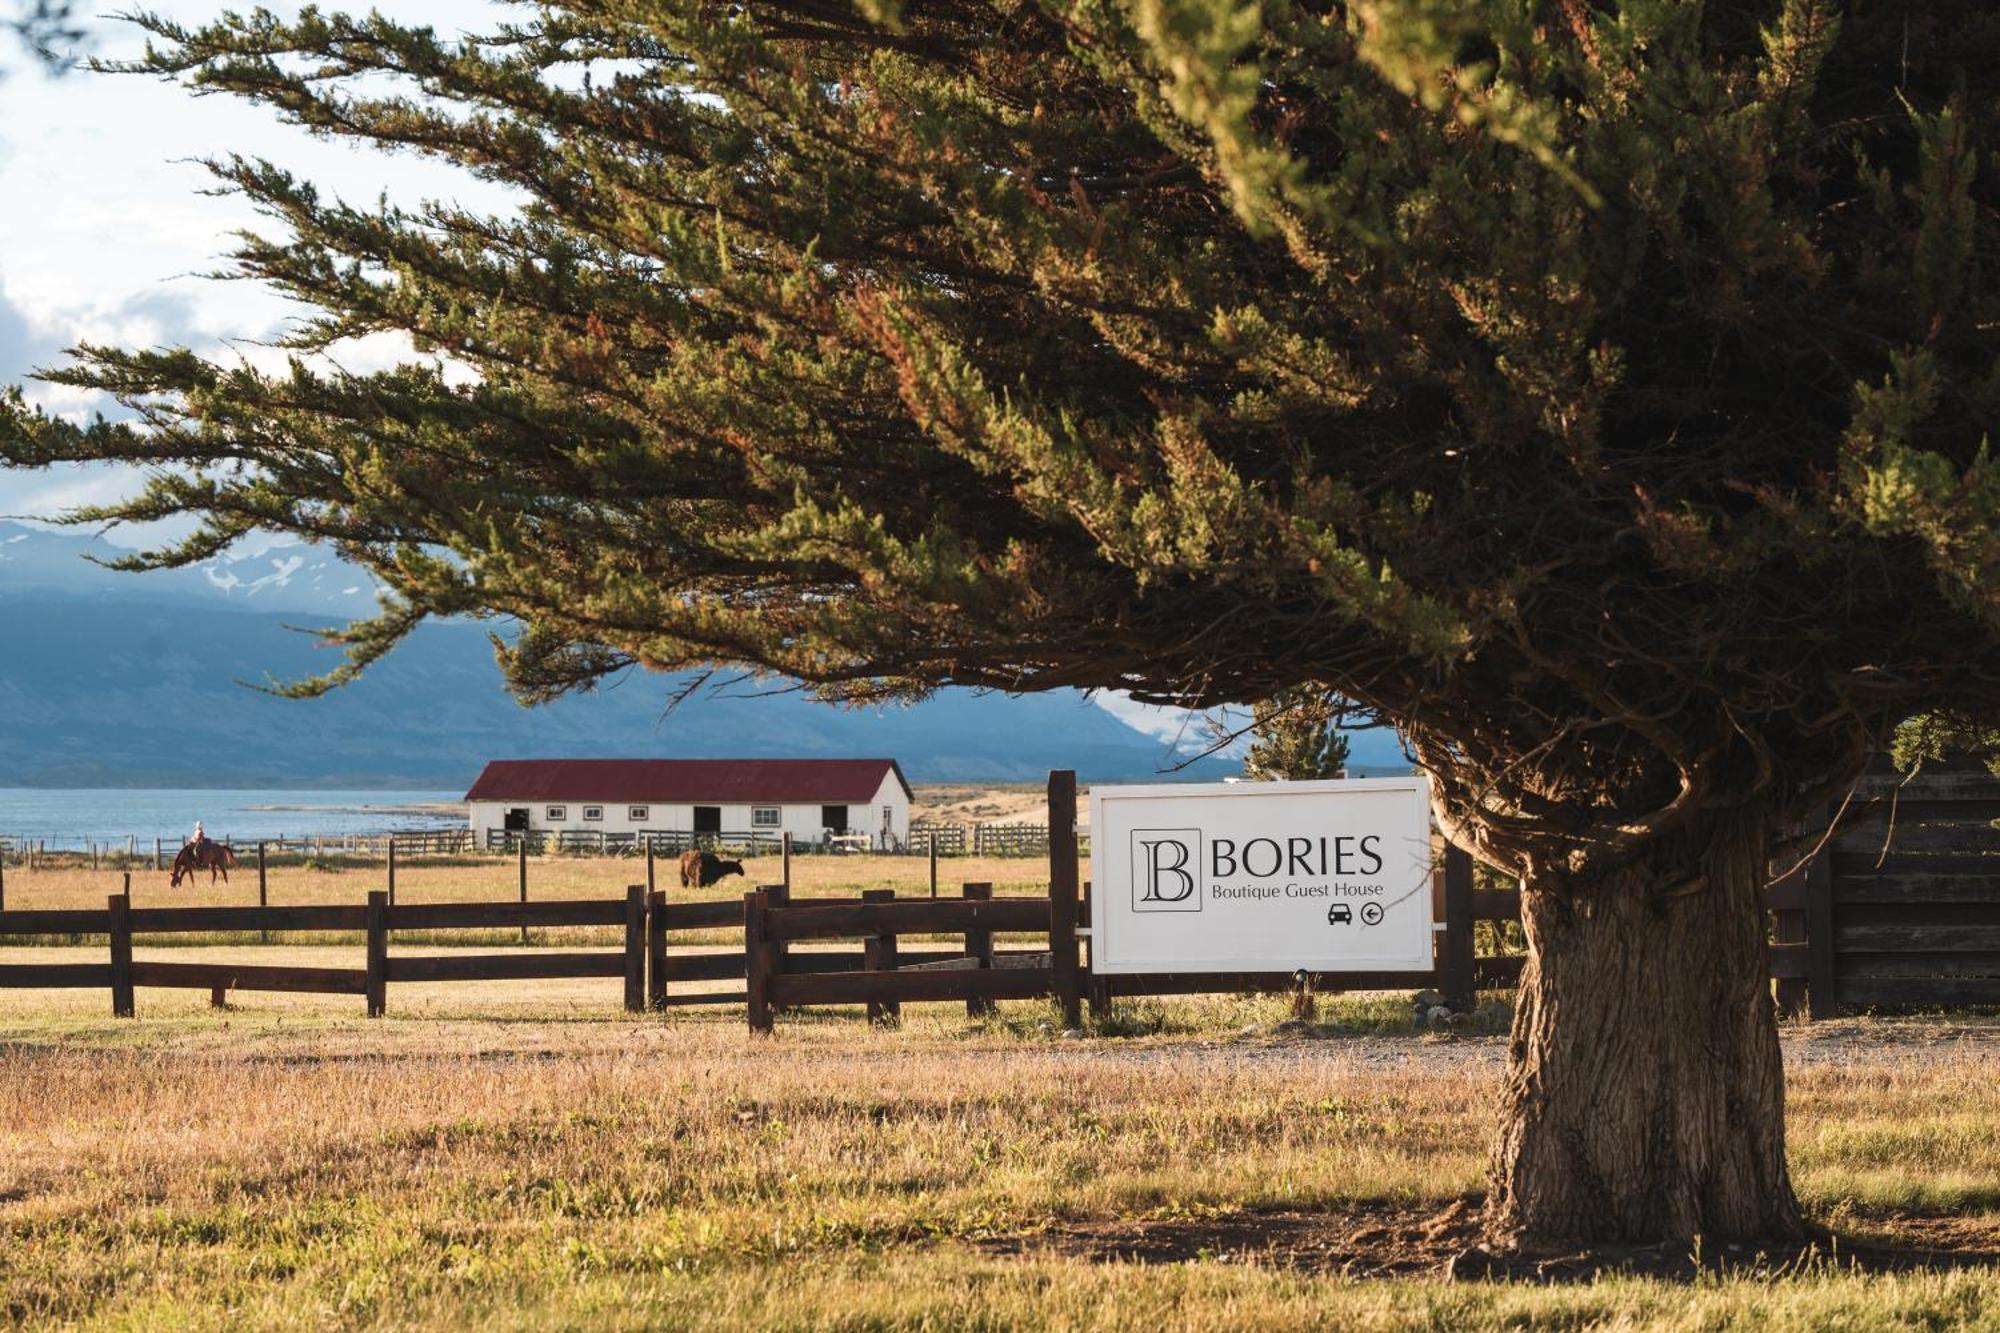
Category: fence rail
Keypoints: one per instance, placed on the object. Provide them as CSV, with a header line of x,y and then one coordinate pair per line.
x,y
130,849
1900,905
119,921
946,839
662,843
949,839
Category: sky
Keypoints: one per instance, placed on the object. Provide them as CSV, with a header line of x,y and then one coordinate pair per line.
x,y
105,232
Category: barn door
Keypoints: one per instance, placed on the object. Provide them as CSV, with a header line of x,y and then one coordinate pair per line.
x,y
833,817
708,819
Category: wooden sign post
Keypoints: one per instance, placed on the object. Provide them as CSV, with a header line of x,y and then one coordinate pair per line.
x,y
1068,982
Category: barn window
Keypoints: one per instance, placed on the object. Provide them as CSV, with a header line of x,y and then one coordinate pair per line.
x,y
556,814
638,814
594,812
765,816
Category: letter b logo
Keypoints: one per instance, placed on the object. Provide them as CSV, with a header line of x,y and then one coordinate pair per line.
x,y
1165,866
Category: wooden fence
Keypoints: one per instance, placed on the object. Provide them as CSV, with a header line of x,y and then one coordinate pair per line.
x,y
999,840
1897,900
1010,839
928,836
1898,904
669,842
887,975
376,921
882,976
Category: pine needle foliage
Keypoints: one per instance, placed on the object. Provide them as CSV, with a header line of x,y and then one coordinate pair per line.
x,y
1597,392
1296,736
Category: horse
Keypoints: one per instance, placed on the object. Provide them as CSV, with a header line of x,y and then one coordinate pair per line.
x,y
208,855
701,869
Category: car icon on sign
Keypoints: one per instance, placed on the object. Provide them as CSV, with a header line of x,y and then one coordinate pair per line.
x,y
1340,914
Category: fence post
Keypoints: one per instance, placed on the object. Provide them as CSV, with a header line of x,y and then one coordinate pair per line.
x,y
979,945
635,949
1788,926
392,869
121,956
1821,1001
263,890
3,879
933,843
756,963
878,954
156,855
378,953
522,864
650,886
1062,895
778,895
1454,964
656,949
1096,988
785,851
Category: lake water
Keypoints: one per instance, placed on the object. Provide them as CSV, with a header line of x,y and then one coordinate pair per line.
x,y
71,818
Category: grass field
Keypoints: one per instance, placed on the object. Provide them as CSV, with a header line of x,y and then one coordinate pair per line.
x,y
491,879
523,1155
478,1162
453,879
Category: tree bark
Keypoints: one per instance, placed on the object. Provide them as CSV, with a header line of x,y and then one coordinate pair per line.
x,y
1645,1090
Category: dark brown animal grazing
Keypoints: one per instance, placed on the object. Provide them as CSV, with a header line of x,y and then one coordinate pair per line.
x,y
701,869
210,855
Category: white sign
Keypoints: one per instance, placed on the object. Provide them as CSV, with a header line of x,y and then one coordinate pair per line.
x,y
1261,877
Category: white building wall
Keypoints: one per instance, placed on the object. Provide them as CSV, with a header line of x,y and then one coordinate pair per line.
x,y
896,802
803,821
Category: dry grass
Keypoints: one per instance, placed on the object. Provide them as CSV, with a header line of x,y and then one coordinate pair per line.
x,y
440,879
971,803
291,1164
521,1155
492,879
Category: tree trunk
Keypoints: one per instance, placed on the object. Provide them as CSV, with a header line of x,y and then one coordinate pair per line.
x,y
1645,1093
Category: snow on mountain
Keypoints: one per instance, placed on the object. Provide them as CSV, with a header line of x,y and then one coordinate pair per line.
x,y
105,670
259,574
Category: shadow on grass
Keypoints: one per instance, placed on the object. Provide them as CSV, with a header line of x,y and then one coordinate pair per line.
x,y
1389,1240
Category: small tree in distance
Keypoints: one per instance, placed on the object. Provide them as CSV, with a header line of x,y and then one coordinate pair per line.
x,y
1295,735
1597,393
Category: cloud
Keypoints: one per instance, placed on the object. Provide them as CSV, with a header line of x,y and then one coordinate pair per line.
x,y
1180,728
104,228
21,347
28,343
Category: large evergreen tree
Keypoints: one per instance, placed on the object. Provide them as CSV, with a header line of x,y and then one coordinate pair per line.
x,y
1595,390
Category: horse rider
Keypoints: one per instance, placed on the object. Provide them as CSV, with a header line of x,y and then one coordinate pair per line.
x,y
200,837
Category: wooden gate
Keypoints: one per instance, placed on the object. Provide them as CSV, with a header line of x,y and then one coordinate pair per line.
x,y
1901,903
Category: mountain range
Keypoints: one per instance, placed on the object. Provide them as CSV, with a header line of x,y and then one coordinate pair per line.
x,y
124,680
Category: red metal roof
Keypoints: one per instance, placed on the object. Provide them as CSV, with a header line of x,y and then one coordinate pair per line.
x,y
686,781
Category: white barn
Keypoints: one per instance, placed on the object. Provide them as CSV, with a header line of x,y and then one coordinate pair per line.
x,y
811,799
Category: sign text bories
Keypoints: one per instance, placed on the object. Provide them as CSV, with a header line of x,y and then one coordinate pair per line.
x,y
1261,877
